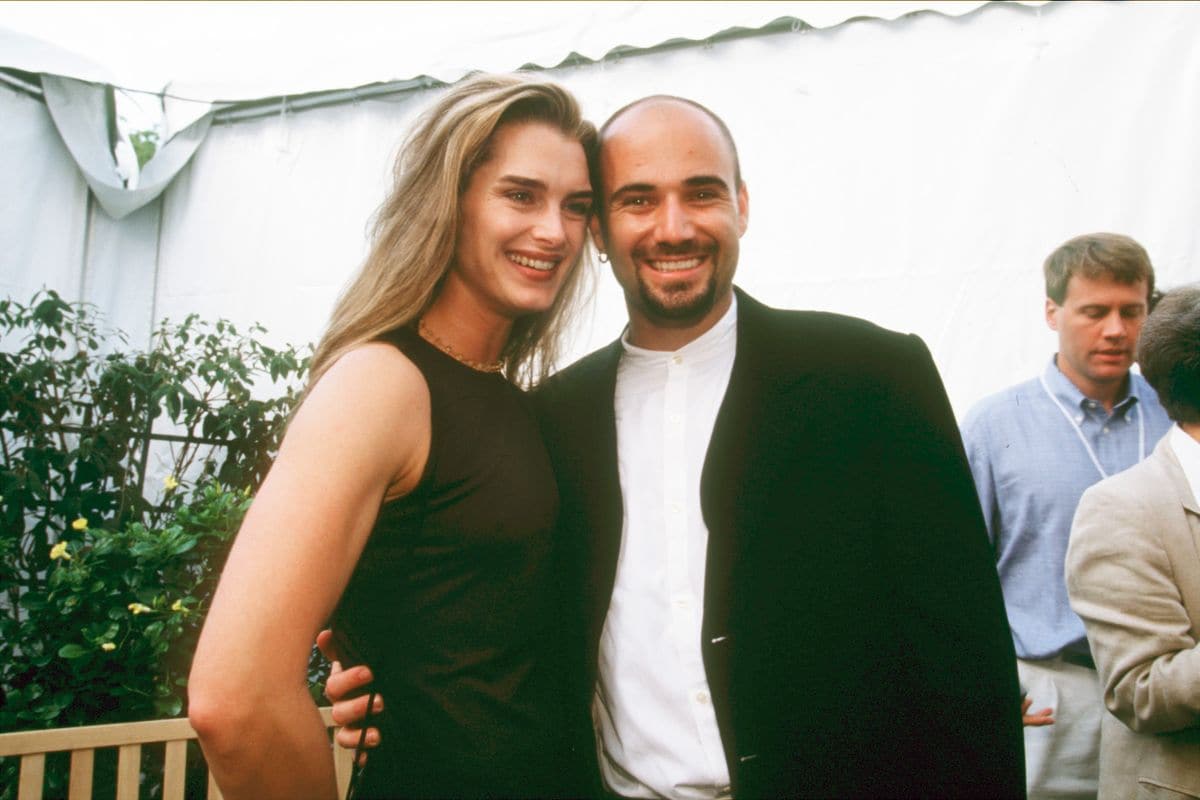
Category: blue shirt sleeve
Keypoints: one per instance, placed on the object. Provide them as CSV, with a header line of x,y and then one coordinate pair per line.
x,y
976,444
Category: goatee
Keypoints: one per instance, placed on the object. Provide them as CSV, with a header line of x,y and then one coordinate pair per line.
x,y
676,304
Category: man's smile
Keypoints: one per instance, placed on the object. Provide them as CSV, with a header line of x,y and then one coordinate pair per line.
x,y
675,264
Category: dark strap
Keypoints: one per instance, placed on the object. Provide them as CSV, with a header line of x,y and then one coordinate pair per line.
x,y
356,769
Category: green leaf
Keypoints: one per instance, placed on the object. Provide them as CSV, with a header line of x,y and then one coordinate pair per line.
x,y
168,706
33,602
50,311
173,404
48,712
71,651
182,547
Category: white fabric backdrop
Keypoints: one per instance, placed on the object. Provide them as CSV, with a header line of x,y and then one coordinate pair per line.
x,y
43,218
914,172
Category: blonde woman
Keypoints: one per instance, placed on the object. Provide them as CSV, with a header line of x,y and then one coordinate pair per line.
x,y
412,502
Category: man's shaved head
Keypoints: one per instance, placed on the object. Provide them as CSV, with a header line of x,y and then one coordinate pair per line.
x,y
655,99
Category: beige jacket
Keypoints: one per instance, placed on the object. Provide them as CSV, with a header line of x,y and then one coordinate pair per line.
x,y
1133,574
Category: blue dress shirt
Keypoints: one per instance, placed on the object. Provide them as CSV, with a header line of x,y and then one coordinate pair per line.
x,y
1031,466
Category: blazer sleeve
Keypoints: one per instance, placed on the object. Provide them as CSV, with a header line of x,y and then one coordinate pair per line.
x,y
953,643
1121,582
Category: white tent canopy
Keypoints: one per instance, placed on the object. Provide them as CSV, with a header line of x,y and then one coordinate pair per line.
x,y
187,84
907,166
249,50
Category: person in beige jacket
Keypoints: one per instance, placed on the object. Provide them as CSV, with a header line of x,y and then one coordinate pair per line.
x,y
1133,575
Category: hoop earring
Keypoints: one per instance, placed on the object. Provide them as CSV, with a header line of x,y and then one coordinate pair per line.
x,y
603,257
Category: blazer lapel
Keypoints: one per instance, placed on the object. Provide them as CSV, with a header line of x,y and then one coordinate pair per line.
x,y
598,481
1179,480
1183,490
723,478
728,504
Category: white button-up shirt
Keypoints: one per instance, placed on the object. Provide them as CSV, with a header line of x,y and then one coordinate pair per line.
x,y
656,726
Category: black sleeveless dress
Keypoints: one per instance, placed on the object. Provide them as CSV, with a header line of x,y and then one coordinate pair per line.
x,y
452,603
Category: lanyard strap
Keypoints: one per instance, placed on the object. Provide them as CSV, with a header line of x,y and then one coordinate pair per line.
x,y
1083,439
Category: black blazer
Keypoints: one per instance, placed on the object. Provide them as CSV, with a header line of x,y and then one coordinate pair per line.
x,y
854,637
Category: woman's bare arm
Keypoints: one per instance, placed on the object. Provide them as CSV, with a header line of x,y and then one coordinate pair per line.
x,y
362,434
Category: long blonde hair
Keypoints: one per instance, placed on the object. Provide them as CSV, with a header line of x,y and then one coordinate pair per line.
x,y
415,230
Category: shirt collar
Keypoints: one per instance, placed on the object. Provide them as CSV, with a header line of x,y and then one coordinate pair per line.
x,y
1069,393
715,341
1187,451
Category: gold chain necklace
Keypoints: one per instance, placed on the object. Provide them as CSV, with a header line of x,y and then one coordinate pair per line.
x,y
432,338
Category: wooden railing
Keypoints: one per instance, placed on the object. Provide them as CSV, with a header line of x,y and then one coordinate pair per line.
x,y
127,738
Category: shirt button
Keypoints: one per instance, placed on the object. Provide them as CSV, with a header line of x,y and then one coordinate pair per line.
x,y
1105,429
702,698
681,602
1079,418
675,509
675,419
677,359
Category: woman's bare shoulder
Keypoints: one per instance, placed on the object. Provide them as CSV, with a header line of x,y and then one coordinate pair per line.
x,y
373,376
374,401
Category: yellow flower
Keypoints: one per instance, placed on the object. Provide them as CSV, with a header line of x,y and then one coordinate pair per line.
x,y
108,647
170,483
138,608
80,524
246,492
178,606
60,551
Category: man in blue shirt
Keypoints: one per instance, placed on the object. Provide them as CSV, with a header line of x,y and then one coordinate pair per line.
x,y
1034,448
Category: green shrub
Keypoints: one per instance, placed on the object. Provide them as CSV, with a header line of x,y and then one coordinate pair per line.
x,y
110,634
124,474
